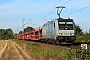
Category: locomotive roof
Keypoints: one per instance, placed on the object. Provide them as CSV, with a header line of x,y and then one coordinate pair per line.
x,y
66,20
49,22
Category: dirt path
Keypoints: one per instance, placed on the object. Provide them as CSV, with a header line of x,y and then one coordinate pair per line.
x,y
3,45
12,53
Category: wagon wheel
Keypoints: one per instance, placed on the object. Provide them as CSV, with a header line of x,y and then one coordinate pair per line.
x,y
57,42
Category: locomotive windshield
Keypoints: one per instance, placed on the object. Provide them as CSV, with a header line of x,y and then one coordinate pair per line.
x,y
66,25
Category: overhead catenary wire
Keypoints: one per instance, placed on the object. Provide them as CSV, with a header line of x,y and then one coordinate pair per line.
x,y
28,22
82,3
79,5
78,10
54,9
43,7
50,9
53,6
66,2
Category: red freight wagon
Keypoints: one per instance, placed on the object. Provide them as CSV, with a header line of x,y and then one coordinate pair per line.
x,y
35,34
32,35
26,36
19,36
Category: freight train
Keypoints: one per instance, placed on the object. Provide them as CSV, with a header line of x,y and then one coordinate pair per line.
x,y
55,31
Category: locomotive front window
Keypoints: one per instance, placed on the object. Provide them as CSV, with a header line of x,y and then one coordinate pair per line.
x,y
69,26
61,26
66,26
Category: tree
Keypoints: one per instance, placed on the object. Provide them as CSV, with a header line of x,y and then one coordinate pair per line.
x,y
20,32
28,29
2,33
5,34
9,33
78,30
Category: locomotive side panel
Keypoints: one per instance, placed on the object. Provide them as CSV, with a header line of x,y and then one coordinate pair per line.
x,y
47,30
55,29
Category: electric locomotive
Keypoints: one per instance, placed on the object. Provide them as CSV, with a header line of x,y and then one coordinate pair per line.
x,y
59,30
64,30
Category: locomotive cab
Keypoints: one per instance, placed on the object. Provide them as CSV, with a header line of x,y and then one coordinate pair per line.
x,y
64,30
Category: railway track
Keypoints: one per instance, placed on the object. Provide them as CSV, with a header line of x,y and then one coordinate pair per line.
x,y
62,46
75,45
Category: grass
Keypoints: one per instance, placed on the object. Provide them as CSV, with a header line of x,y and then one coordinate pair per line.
x,y
44,52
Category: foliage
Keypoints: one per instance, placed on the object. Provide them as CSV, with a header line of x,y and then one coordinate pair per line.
x,y
83,54
78,30
83,38
26,29
20,32
6,33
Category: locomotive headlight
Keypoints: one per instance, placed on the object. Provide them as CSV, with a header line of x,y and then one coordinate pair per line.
x,y
60,33
72,34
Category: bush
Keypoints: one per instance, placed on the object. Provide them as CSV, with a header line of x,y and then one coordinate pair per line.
x,y
83,38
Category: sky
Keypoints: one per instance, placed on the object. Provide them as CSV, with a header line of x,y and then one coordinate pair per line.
x,y
38,12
